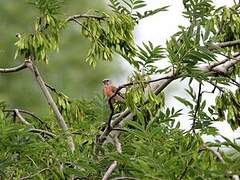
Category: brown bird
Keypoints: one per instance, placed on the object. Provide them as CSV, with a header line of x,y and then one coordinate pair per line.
x,y
109,90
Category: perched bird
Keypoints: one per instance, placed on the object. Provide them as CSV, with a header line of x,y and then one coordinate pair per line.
x,y
109,90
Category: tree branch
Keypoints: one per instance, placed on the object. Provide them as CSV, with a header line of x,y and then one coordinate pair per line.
x,y
13,69
197,107
80,16
56,91
113,166
219,156
28,113
50,101
22,118
186,169
42,131
223,44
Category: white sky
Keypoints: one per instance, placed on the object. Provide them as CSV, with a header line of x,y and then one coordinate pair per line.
x,y
158,29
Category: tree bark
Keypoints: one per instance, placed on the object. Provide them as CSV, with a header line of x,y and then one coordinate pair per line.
x,y
50,101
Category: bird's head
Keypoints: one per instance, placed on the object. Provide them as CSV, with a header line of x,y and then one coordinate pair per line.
x,y
106,81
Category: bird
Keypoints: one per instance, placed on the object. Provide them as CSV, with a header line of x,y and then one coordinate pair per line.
x,y
109,90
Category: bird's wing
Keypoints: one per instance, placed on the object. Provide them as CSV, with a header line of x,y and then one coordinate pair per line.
x,y
114,89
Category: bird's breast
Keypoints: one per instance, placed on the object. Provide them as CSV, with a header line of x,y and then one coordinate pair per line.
x,y
108,91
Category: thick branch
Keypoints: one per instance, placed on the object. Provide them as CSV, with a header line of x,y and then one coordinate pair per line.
x,y
13,69
223,44
221,67
50,101
228,43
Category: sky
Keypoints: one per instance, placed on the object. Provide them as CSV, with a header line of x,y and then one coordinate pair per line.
x,y
158,29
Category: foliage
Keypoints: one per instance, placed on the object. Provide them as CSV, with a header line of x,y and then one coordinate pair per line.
x,y
153,146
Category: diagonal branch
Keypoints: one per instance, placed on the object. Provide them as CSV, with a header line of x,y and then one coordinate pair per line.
x,y
50,101
113,166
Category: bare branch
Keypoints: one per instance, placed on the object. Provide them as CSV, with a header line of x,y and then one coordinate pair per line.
x,y
28,113
22,118
113,166
228,43
50,101
13,69
216,153
223,66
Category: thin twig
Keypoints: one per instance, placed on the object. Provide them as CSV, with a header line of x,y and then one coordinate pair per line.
x,y
124,178
35,174
42,131
53,89
199,97
186,169
216,86
85,16
234,82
